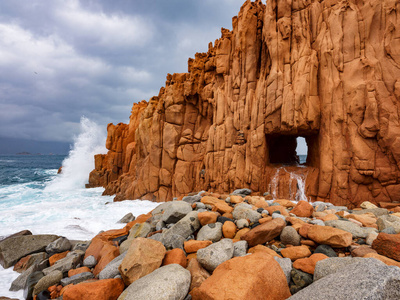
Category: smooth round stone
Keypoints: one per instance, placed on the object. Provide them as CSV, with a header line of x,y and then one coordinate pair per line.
x,y
276,215
90,261
242,223
317,222
290,236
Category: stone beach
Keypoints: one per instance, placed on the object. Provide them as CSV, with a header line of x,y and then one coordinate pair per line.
x,y
186,249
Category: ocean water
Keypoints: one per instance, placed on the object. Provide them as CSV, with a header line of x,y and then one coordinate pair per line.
x,y
34,197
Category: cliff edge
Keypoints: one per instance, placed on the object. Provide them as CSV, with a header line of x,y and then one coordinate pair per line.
x,y
325,70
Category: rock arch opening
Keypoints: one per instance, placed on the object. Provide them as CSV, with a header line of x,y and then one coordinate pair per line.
x,y
293,150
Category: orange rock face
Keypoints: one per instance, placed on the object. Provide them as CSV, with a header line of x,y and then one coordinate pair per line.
x,y
326,70
109,289
256,276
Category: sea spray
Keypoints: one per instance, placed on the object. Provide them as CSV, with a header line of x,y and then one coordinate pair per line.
x,y
80,161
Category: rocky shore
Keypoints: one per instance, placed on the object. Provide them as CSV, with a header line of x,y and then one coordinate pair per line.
x,y
212,246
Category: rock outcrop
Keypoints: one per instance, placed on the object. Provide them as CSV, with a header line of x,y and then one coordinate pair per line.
x,y
325,70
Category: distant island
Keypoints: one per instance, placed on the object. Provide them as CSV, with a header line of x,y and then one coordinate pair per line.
x,y
24,153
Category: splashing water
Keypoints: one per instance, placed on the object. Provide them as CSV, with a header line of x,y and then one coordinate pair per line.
x,y
299,192
301,186
80,161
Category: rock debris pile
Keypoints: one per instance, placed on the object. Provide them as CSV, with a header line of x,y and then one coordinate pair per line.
x,y
213,246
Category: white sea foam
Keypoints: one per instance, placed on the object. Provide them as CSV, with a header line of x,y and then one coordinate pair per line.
x,y
62,205
80,161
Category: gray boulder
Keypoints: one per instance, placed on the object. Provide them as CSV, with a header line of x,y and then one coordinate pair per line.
x,y
20,282
139,230
90,261
376,211
13,249
78,278
210,232
387,221
331,265
129,217
176,211
32,280
366,279
215,254
61,244
173,241
47,281
354,229
192,199
290,236
286,265
111,270
240,248
67,263
160,209
245,211
166,283
184,227
242,192
80,245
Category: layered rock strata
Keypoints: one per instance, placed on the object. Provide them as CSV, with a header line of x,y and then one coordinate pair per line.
x,y
325,70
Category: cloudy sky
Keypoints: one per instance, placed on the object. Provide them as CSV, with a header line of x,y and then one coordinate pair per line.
x,y
62,59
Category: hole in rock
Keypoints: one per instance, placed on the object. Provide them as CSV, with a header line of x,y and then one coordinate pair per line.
x,y
293,149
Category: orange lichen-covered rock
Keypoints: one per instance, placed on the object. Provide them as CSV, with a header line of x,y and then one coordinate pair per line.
x,y
281,209
197,272
387,245
192,246
57,256
175,256
73,272
109,289
107,254
384,259
218,205
303,209
264,249
296,252
264,233
229,229
143,257
207,217
330,236
308,264
256,276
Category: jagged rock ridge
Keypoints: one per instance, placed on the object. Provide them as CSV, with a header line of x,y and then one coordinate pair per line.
x,y
326,70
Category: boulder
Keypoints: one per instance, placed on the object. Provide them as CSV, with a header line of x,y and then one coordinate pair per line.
x,y
256,276
332,264
31,282
112,269
197,272
355,230
175,256
79,270
45,282
175,211
167,282
61,244
290,236
327,235
326,249
27,261
387,221
65,264
90,261
56,257
264,233
109,289
286,265
184,228
207,217
217,204
142,258
308,264
193,246
296,252
388,245
366,279
229,229
215,254
78,278
210,232
240,248
129,217
245,211
20,282
13,249
303,209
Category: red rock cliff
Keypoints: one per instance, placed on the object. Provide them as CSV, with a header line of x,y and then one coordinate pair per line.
x,y
326,70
